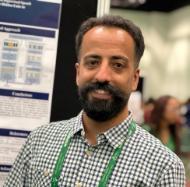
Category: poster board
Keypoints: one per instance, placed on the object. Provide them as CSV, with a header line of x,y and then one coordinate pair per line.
x,y
28,48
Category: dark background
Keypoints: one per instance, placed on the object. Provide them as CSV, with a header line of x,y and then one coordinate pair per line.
x,y
65,100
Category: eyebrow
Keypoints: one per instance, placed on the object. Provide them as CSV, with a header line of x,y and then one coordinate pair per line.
x,y
92,56
118,57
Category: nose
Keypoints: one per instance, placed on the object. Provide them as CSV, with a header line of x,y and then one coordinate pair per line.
x,y
103,73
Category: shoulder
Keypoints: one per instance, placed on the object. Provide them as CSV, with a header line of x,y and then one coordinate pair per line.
x,y
154,152
153,160
53,130
153,144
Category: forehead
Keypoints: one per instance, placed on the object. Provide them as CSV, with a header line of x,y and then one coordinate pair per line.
x,y
109,38
103,31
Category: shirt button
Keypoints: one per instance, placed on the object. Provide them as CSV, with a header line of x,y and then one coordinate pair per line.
x,y
82,133
78,184
88,153
46,172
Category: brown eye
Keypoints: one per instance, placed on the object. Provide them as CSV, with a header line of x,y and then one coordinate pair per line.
x,y
119,63
118,66
91,63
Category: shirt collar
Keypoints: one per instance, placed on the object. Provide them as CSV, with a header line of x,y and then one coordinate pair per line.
x,y
118,134
78,125
115,135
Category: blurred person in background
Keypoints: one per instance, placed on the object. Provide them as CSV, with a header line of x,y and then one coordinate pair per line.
x,y
148,107
166,120
147,110
186,112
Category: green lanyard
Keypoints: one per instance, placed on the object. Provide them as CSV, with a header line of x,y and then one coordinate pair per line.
x,y
107,172
60,161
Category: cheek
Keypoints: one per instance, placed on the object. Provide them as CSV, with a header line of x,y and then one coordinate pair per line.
x,y
132,81
124,86
129,84
83,78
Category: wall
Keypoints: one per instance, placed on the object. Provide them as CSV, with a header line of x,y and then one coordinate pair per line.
x,y
165,65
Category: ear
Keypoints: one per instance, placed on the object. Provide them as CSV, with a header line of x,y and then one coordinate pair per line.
x,y
135,79
77,72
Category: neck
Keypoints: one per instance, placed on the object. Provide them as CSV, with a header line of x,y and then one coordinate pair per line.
x,y
92,128
164,132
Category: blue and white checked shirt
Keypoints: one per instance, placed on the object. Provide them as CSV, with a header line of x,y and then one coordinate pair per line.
x,y
144,161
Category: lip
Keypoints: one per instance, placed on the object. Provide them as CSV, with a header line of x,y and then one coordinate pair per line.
x,y
101,94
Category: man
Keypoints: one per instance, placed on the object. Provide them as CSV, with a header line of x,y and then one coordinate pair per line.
x,y
102,146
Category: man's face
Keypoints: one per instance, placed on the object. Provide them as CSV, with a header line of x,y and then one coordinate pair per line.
x,y
106,72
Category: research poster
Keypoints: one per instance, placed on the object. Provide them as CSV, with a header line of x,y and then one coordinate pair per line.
x,y
28,48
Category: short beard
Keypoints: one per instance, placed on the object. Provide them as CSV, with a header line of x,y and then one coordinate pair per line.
x,y
102,109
